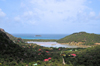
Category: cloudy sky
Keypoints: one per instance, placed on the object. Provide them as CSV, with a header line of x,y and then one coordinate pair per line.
x,y
50,16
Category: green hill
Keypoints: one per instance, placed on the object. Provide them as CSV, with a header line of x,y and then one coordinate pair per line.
x,y
83,37
11,37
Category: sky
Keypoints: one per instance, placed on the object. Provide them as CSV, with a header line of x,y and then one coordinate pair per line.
x,y
50,16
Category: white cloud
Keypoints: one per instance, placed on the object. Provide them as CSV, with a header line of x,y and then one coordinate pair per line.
x,y
28,13
92,14
90,1
32,22
54,10
22,5
2,14
98,17
57,12
17,18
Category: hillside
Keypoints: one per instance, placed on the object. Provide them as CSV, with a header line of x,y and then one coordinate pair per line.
x,y
11,37
81,37
4,40
86,57
23,54
10,52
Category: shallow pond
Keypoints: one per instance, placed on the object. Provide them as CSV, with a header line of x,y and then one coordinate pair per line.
x,y
52,44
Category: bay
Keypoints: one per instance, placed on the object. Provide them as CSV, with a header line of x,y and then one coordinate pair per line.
x,y
52,44
43,36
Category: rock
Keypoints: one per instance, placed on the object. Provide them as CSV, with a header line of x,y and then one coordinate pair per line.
x,y
2,30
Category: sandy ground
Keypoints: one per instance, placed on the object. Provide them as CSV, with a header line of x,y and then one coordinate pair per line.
x,y
97,43
46,44
77,44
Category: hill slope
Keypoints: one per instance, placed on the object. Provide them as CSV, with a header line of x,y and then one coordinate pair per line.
x,y
11,52
85,38
11,37
7,46
86,57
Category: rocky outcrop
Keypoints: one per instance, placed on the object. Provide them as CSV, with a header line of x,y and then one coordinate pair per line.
x,y
2,30
11,37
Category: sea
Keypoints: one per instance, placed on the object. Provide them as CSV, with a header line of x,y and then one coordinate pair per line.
x,y
42,36
45,36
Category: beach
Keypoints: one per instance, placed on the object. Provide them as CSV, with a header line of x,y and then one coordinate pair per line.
x,y
52,44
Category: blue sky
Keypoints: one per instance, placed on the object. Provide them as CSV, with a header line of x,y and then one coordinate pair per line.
x,y
50,16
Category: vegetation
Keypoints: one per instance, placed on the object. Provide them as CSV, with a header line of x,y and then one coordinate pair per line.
x,y
86,38
23,54
86,57
11,37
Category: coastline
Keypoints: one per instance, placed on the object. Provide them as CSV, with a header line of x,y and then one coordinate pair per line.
x,y
77,44
41,40
55,44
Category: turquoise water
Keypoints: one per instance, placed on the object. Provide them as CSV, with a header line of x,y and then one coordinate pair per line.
x,y
43,36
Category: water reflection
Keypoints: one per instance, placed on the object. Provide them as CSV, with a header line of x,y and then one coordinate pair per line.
x,y
52,44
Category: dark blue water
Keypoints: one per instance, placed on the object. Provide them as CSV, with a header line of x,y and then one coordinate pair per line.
x,y
43,36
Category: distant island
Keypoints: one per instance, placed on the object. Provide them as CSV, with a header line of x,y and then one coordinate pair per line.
x,y
37,35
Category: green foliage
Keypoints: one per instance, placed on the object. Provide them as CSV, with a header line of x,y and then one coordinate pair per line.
x,y
86,57
89,39
11,37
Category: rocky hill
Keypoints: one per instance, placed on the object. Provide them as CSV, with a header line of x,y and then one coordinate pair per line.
x,y
6,43
11,37
4,40
81,38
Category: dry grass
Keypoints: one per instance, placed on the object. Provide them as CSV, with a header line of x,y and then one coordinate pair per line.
x,y
97,43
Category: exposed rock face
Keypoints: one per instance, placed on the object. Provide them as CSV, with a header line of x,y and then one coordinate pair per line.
x,y
2,30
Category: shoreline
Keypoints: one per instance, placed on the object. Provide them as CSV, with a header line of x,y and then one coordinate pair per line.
x,y
79,45
70,44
